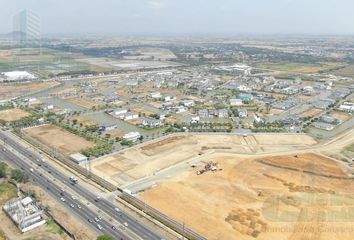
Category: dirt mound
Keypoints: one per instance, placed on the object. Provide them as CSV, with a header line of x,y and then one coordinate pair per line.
x,y
300,188
307,163
246,222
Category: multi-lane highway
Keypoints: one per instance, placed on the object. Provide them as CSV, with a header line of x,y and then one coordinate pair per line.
x,y
137,228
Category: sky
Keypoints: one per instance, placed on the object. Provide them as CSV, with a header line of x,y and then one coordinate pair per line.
x,y
186,17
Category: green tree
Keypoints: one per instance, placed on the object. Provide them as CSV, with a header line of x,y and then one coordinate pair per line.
x,y
104,237
19,176
3,167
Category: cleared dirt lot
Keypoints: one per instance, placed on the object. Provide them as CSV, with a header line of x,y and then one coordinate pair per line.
x,y
59,139
249,199
146,160
311,112
10,115
13,90
83,102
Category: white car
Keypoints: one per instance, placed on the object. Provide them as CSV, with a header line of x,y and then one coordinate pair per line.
x,y
79,206
62,199
99,227
117,209
125,224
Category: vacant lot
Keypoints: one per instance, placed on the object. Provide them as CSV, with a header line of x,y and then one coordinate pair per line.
x,y
59,139
10,115
249,199
300,67
83,102
311,112
341,115
8,91
142,161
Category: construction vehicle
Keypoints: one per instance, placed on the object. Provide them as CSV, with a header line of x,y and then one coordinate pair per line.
x,y
210,166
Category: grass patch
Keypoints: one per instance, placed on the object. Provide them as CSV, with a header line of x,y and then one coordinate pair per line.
x,y
349,151
299,67
3,236
7,191
56,229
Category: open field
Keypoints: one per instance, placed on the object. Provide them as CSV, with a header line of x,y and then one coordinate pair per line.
x,y
341,115
249,199
141,161
10,115
83,102
347,71
59,139
12,90
84,120
128,64
311,112
300,67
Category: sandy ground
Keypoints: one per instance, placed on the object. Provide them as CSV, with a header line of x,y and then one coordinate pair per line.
x,y
142,111
145,160
252,200
84,120
59,139
10,115
13,90
341,115
311,112
83,102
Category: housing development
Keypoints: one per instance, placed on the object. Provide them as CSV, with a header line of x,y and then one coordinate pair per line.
x,y
176,138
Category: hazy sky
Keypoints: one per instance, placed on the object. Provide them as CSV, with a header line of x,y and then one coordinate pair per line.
x,y
186,16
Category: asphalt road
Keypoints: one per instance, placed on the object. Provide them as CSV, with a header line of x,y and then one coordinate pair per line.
x,y
53,189
104,205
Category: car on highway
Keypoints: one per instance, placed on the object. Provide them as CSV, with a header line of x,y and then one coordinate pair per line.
x,y
31,169
114,228
90,220
72,205
62,199
125,224
99,227
96,219
79,206
73,197
117,209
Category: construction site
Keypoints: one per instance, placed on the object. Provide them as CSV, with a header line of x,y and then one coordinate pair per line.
x,y
263,191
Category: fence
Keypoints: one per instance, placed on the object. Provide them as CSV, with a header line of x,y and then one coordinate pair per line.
x,y
164,219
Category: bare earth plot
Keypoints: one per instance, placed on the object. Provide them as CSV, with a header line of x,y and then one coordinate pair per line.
x,y
10,115
249,199
59,139
83,102
143,161
8,91
270,186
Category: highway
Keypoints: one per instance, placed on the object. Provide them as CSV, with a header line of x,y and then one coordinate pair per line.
x,y
104,205
53,189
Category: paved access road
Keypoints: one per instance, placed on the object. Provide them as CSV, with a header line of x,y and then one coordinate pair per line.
x,y
140,230
75,207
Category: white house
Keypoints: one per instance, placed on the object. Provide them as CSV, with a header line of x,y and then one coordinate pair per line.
x,y
235,102
131,116
188,103
155,95
120,111
132,136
